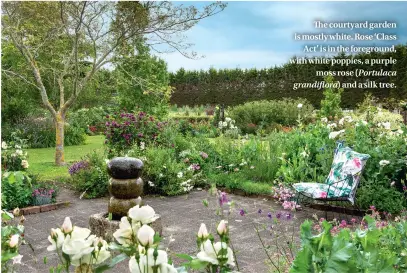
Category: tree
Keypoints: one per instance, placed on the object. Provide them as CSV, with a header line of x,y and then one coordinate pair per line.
x,y
72,41
142,81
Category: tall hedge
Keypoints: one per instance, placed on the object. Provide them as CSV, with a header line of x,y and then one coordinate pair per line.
x,y
236,86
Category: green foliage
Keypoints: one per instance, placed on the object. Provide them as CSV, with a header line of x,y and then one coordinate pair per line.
x,y
370,248
40,132
16,188
330,105
92,179
91,120
143,82
254,116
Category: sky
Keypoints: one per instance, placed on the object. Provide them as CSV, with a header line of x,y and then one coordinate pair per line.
x,y
261,34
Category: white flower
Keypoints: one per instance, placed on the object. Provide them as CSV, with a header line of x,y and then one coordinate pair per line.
x,y
124,234
209,253
67,225
77,248
19,152
203,232
14,240
324,120
331,125
386,125
228,119
144,214
299,105
4,145
161,261
341,121
333,135
145,235
142,145
304,154
222,228
17,259
56,239
17,147
100,252
179,175
24,164
348,118
384,162
151,184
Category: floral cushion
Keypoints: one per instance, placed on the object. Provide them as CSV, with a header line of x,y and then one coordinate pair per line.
x,y
319,190
343,177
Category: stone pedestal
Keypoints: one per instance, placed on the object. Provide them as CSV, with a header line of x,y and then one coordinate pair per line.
x,y
125,187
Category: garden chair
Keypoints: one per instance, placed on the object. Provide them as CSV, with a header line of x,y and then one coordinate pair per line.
x,y
342,182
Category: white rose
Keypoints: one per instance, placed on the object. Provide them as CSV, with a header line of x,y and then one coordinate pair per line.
x,y
24,164
145,235
210,253
124,234
222,228
77,248
203,232
56,239
67,225
144,214
299,105
14,240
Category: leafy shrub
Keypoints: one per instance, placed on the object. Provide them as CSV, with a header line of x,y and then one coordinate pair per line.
x,y
127,129
13,158
40,133
164,174
263,114
16,188
89,176
91,120
376,246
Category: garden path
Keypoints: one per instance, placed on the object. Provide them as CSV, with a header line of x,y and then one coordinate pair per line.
x,y
181,218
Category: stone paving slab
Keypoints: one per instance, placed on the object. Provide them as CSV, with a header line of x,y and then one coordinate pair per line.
x,y
181,218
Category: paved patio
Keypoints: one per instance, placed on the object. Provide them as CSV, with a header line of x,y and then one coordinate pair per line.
x,y
181,218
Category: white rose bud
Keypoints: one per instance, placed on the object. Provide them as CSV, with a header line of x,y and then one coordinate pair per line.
x,y
14,240
203,232
222,228
16,212
145,235
67,225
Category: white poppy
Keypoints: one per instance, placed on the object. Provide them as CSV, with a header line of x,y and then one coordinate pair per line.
x,y
144,214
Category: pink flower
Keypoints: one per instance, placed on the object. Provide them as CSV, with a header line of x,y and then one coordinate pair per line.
x,y
357,163
323,195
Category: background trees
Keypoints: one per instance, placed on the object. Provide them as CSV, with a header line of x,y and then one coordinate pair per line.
x,y
65,44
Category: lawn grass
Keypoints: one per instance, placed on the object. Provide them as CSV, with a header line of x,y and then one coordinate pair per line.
x,y
42,160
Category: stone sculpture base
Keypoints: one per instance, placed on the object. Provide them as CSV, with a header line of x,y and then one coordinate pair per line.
x,y
100,226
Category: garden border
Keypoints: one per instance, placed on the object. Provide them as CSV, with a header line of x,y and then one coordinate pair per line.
x,y
43,208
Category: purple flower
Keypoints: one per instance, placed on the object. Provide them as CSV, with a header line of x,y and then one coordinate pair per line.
x,y
241,212
269,215
195,167
259,211
223,199
278,215
288,216
76,167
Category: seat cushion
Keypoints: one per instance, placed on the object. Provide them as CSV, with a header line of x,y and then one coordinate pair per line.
x,y
346,167
320,190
